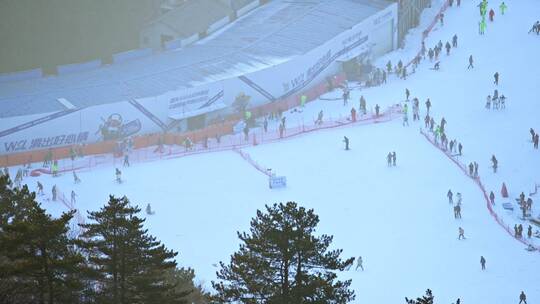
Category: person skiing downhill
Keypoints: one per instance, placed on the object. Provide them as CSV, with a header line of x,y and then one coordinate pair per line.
x,y
359,263
471,66
76,178
483,262
40,188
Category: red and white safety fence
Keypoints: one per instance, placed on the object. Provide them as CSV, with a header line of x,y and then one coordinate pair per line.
x,y
478,182
226,143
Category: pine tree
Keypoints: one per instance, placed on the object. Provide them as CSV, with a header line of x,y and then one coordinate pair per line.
x,y
426,299
282,261
38,262
129,264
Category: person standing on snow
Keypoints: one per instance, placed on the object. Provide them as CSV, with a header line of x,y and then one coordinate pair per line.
x,y
471,169
118,174
405,115
73,196
482,26
536,141
407,94
492,197
389,159
475,169
461,233
491,15
346,141
522,298
319,120
363,104
483,262
450,197
454,41
126,160
76,179
529,231
470,63
503,8
377,110
460,147
394,158
54,192
428,105
495,163
496,78
353,114
448,47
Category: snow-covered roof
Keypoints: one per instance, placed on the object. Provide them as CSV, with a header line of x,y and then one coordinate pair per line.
x,y
272,34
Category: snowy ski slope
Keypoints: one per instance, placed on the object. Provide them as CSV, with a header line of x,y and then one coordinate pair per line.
x,y
398,219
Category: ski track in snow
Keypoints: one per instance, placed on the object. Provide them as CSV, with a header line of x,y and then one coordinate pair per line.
x,y
398,219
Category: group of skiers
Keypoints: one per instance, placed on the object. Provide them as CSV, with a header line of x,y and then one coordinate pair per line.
x,y
496,102
483,6
473,169
534,138
457,206
525,205
518,231
391,159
